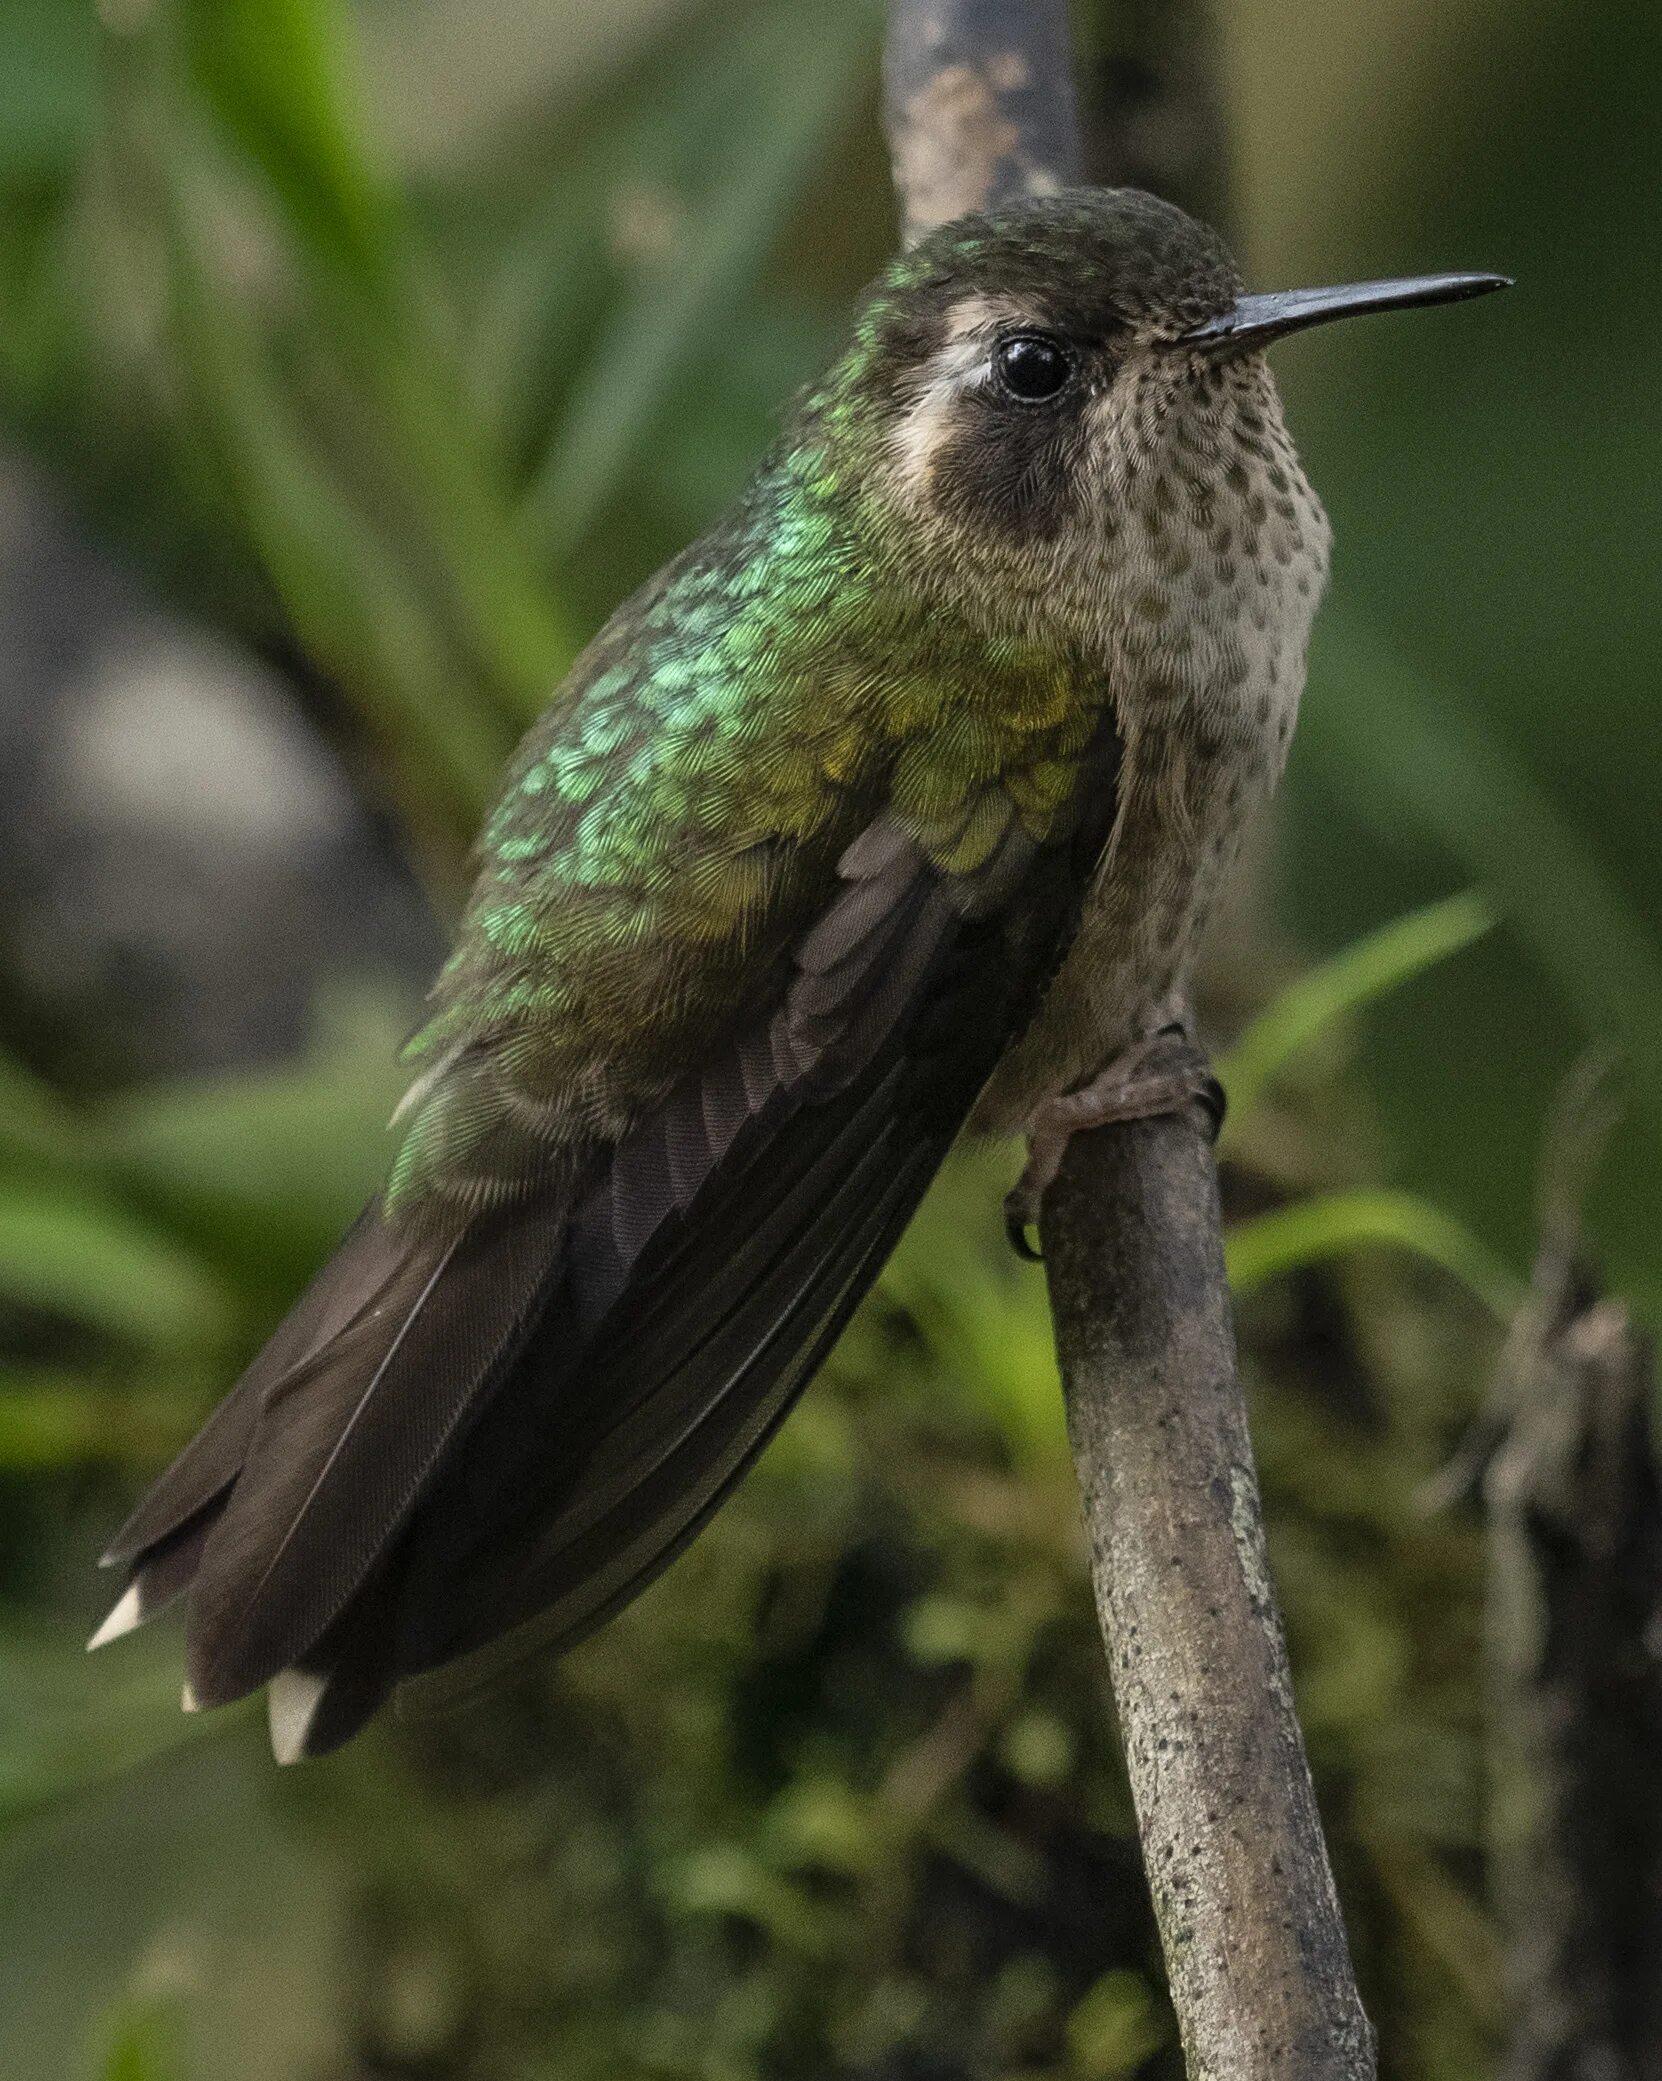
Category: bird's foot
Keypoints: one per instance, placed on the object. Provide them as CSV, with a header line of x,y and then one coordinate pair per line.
x,y
1162,1073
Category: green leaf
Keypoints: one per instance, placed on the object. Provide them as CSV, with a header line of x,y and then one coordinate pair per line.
x,y
1039,1748
145,2035
277,80
1413,760
51,1420
278,1157
35,1123
1116,2027
801,70
80,1256
726,1879
985,1320
273,71
47,60
1370,969
60,1733
1333,1224
54,1418
353,600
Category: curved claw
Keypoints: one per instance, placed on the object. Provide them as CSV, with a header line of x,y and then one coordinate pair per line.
x,y
1187,1060
1019,1217
1162,1074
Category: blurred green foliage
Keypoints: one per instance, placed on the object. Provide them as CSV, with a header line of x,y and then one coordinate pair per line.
x,y
368,350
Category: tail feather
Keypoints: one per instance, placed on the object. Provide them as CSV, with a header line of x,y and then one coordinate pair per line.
x,y
347,1440
196,1483
343,1678
205,1470
665,1417
278,1512
642,1440
599,1553
160,1576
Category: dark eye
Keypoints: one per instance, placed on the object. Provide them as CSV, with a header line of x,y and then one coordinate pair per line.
x,y
1032,366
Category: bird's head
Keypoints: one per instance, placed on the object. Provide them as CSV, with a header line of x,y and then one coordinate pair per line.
x,y
1025,387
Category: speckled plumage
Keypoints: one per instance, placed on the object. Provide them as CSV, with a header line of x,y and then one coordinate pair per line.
x,y
897,798
836,644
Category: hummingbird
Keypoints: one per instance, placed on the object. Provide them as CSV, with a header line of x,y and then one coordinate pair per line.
x,y
892,808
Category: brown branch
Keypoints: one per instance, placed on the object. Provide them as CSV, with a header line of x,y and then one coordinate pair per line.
x,y
978,97
1260,1974
1574,1508
1255,1950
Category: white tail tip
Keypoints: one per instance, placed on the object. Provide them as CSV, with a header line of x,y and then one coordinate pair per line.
x,y
292,1699
127,1613
188,1700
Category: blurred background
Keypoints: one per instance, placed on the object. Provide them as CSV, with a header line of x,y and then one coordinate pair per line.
x,y
354,361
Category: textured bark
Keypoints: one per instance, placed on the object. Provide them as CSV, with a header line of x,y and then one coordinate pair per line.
x,y
1575,1612
1255,1950
979,103
980,107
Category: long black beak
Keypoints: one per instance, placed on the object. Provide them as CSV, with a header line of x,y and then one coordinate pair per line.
x,y
1253,321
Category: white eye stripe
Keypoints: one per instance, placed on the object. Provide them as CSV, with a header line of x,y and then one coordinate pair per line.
x,y
959,362
961,365
920,430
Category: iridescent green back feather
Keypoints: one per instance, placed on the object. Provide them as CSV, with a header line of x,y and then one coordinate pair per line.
x,y
677,817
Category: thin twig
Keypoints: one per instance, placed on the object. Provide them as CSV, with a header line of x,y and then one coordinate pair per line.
x,y
980,109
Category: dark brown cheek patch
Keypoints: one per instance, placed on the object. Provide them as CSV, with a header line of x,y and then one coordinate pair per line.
x,y
1009,471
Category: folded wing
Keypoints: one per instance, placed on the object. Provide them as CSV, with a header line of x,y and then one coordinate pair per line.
x,y
468,1446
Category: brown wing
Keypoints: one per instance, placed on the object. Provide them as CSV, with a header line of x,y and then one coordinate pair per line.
x,y
523,1426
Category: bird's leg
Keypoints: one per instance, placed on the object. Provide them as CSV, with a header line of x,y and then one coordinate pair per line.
x,y
1161,1073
